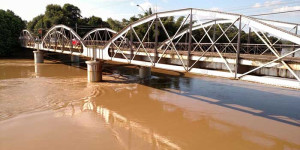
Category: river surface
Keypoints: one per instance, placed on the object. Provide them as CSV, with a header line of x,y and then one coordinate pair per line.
x,y
51,106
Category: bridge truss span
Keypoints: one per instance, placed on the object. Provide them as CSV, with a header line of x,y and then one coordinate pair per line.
x,y
26,39
63,39
98,37
194,43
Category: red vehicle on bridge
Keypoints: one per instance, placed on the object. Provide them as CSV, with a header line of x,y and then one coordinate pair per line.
x,y
75,42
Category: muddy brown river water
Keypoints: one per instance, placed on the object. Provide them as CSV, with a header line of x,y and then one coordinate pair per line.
x,y
51,106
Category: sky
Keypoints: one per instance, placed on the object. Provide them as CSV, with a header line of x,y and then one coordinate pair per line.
x,y
118,9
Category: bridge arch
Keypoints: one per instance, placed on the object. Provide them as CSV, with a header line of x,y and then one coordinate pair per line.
x,y
26,39
64,39
98,36
59,33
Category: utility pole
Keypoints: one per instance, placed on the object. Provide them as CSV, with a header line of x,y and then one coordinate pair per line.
x,y
148,22
237,62
190,39
296,32
249,38
131,44
76,26
214,37
156,39
42,28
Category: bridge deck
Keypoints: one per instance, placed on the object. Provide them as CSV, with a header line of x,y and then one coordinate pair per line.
x,y
225,55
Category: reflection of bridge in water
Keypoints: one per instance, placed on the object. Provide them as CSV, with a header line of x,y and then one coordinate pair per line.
x,y
185,51
146,116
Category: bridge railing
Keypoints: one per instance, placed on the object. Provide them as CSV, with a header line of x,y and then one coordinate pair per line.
x,y
26,42
95,43
254,49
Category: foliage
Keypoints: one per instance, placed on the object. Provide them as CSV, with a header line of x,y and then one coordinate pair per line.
x,y
97,22
70,15
115,24
11,25
33,24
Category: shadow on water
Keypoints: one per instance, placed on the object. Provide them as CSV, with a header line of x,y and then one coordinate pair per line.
x,y
275,106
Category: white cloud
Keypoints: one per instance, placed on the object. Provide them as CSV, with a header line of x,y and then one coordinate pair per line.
x,y
97,1
267,4
133,4
256,5
271,3
286,8
146,5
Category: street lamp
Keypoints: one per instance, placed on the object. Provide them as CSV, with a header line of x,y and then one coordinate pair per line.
x,y
148,22
141,7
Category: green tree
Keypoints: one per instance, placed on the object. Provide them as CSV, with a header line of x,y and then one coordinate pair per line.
x,y
114,24
54,15
71,14
31,25
10,27
97,22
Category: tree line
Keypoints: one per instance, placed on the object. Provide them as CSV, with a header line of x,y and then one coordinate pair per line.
x,y
10,27
70,15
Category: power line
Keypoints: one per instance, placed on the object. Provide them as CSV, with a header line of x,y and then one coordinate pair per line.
x,y
263,5
274,13
255,8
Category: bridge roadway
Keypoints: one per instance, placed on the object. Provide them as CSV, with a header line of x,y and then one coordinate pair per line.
x,y
267,62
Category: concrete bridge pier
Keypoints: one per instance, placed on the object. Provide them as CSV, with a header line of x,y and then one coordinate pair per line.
x,y
38,57
37,70
75,59
145,72
94,71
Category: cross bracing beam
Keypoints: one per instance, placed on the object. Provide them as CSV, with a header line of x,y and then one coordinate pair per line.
x,y
211,22
98,37
205,24
275,28
213,14
280,23
230,17
61,34
99,29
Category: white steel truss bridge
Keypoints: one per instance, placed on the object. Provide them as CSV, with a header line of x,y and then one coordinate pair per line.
x,y
270,54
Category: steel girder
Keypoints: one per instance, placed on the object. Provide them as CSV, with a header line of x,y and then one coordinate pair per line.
x,y
98,29
98,37
72,32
